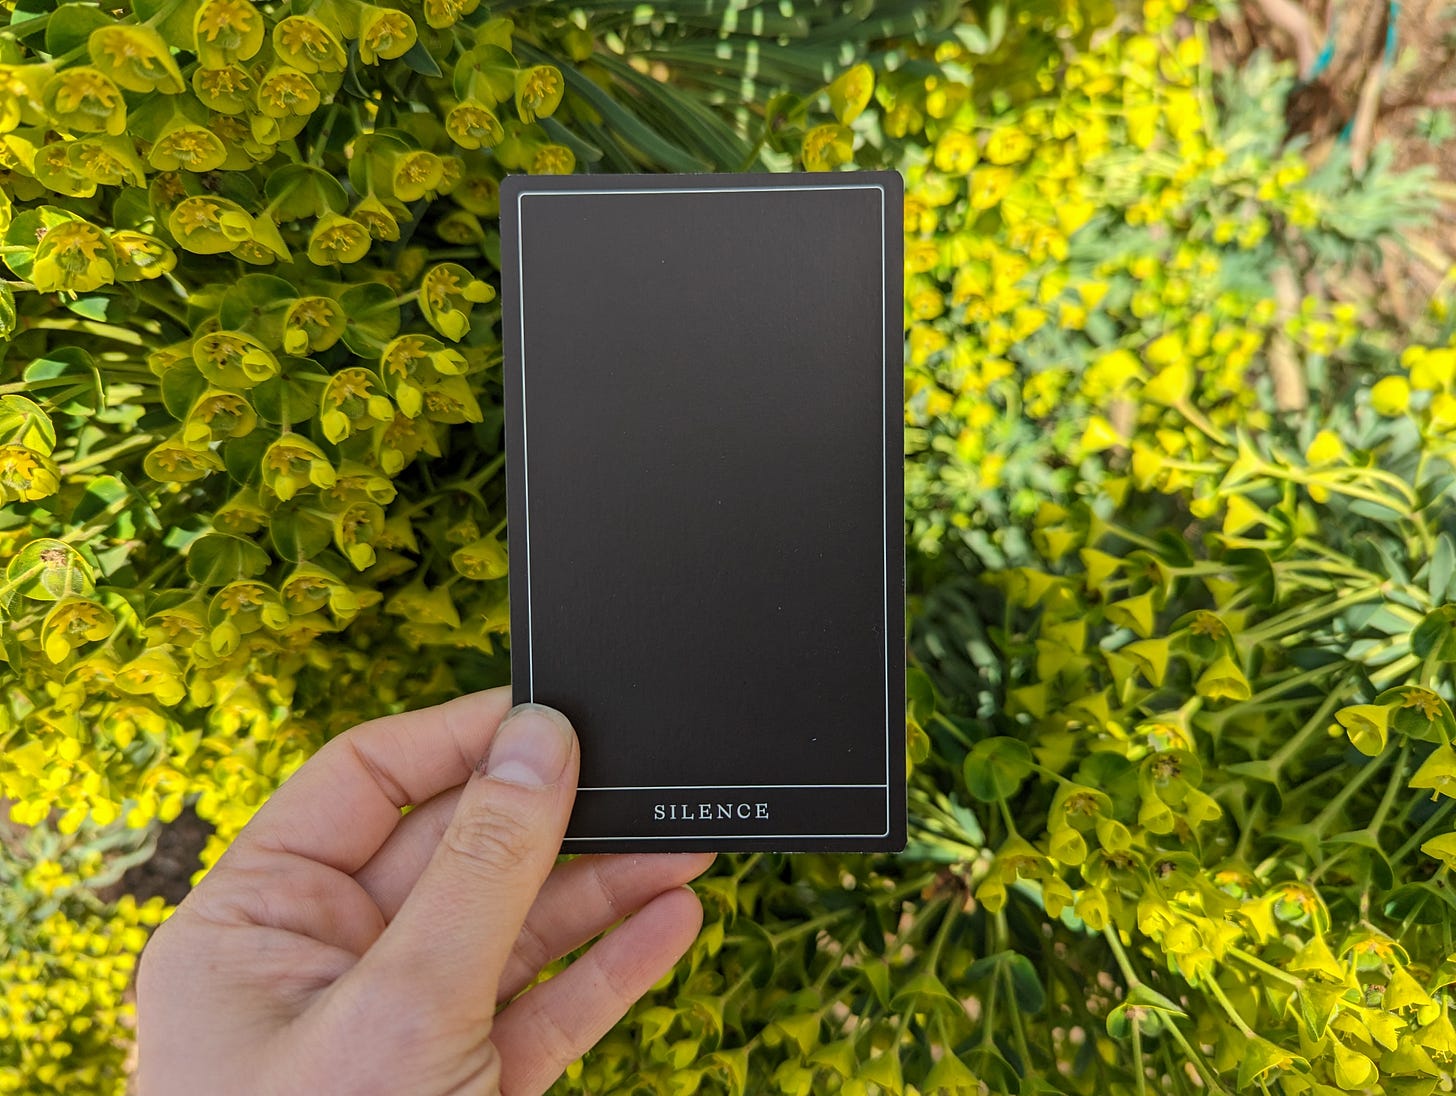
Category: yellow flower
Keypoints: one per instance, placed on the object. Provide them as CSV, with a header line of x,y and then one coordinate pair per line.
x,y
1430,369
827,147
308,45
1325,448
208,226
955,152
446,13
1007,145
381,221
551,159
218,414
107,161
55,169
1367,725
989,185
233,359
415,174
850,92
140,257
84,99
74,621
187,147
74,256
227,31
26,475
337,239
312,323
538,92
1391,396
135,58
292,463
351,401
471,124
228,89
175,461
285,92
384,34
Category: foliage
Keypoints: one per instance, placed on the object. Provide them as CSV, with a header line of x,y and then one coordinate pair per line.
x,y
66,957
1181,760
1128,222
1219,754
250,459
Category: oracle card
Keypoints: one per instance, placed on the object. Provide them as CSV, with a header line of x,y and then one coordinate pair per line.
x,y
703,388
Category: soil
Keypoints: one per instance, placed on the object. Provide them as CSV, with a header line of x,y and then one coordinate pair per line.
x,y
169,870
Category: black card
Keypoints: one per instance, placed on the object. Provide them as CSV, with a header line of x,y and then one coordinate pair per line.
x,y
703,382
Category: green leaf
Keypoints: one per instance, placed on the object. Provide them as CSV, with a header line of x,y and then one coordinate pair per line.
x,y
921,695
1026,984
373,317
181,385
298,533
71,25
219,558
1436,634
422,61
22,422
626,125
802,1030
1441,568
1421,904
877,974
924,984
1382,872
256,304
291,396
298,191
243,457
995,768
101,494
70,380
48,570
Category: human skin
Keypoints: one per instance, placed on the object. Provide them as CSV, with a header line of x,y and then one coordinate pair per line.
x,y
339,946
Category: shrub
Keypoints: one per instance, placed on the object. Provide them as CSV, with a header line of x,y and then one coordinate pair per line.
x,y
249,441
66,957
1062,254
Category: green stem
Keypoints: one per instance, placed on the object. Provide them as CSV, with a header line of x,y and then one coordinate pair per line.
x,y
1438,816
1316,724
1233,1014
1124,964
1346,793
92,459
1396,786
1288,622
26,27
1267,968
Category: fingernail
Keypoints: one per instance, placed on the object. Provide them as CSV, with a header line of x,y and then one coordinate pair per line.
x,y
531,746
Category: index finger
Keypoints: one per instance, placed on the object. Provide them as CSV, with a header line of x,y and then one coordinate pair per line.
x,y
344,802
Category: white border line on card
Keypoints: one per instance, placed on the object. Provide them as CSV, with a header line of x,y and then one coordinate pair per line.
x,y
884,499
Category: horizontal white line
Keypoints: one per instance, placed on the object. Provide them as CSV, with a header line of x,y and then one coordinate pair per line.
x,y
701,190
730,837
714,787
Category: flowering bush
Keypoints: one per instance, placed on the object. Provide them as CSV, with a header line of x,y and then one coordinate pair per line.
x,y
66,957
1173,756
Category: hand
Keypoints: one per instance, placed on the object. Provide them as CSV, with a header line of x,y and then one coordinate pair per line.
x,y
338,946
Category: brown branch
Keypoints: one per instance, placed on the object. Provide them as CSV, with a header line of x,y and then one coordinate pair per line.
x,y
1295,22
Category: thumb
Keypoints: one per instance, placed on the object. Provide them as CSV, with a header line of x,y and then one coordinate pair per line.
x,y
451,938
